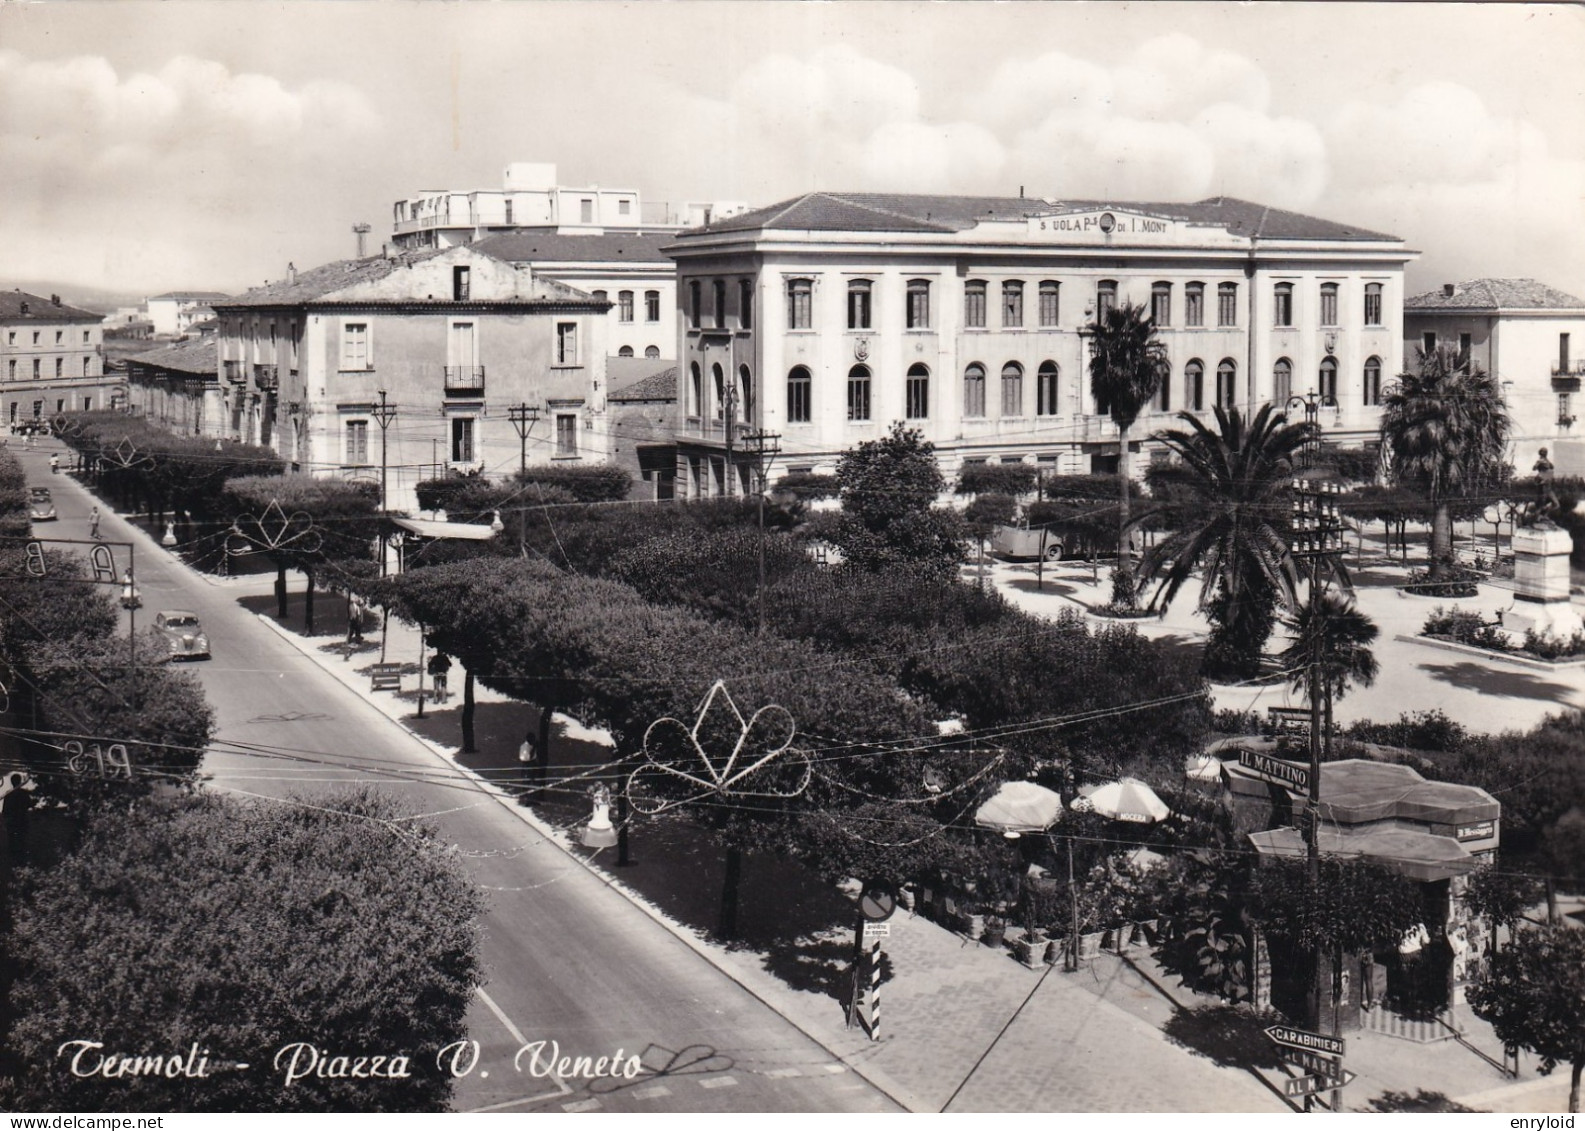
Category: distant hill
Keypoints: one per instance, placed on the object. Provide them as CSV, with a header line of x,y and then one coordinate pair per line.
x,y
88,298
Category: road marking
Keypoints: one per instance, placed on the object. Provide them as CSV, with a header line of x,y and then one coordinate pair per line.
x,y
500,1015
582,1105
653,1092
718,1082
784,1072
835,1069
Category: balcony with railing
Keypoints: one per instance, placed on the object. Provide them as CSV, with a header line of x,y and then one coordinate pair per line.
x,y
464,380
266,376
235,373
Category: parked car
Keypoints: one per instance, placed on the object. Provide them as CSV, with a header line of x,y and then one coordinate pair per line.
x,y
1022,542
41,506
183,634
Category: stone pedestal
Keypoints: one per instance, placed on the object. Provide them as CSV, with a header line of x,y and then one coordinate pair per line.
x,y
1541,580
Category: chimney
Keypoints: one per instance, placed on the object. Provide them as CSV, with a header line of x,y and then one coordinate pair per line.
x,y
360,230
24,308
56,299
1449,290
291,273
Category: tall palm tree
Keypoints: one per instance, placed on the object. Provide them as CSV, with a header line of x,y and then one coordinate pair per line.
x,y
1445,430
1230,523
1331,632
1128,363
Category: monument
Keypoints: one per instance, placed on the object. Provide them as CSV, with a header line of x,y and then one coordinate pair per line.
x,y
1541,551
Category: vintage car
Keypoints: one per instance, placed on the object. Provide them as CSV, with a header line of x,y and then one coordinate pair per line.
x,y
184,635
41,507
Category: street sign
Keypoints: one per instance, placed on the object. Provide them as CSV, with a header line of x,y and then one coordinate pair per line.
x,y
1313,1061
1310,1085
877,930
878,901
1289,774
1303,1039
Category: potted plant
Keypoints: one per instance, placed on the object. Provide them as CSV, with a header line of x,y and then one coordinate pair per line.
x,y
1030,947
995,931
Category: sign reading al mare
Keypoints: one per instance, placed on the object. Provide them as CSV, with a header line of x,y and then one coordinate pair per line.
x,y
1290,774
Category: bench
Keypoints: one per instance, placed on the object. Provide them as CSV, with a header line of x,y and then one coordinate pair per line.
x,y
387,677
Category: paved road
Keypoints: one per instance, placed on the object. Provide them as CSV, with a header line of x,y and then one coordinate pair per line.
x,y
567,959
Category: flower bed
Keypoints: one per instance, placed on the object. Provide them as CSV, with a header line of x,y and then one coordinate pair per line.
x,y
1463,627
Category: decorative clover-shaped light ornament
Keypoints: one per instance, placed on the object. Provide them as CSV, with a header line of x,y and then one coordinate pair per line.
x,y
125,457
277,530
675,755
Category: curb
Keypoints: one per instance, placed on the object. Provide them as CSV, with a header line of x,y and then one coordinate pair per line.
x,y
888,1087
1486,654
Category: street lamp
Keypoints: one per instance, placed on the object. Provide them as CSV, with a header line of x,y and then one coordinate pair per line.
x,y
1312,403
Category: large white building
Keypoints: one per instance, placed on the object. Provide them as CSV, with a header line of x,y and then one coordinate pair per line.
x,y
1532,339
827,317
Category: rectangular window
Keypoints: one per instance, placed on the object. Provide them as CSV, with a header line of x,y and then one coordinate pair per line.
x,y
1012,305
624,306
11,337
1282,305
1373,304
566,343
918,304
586,211
1565,409
1428,342
652,306
1227,304
800,304
858,393
462,439
11,369
36,342
60,366
566,434
85,337
1465,341
1161,304
1329,304
460,286
1194,304
357,442
974,305
60,336
1050,311
624,207
798,396
718,295
37,369
859,304
85,367
695,301
1562,353
1105,298
745,303
355,346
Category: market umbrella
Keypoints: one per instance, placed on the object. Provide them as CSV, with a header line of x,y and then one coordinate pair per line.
x,y
1127,800
1020,807
1203,767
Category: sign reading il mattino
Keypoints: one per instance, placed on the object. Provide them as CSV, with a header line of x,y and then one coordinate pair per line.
x,y
1290,774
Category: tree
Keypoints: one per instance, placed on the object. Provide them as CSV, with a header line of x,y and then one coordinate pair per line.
x,y
1533,996
1501,898
1127,365
889,488
1331,632
1445,431
244,928
1233,484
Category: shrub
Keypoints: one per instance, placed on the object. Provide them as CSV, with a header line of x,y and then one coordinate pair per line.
x,y
997,479
1554,647
1456,581
1416,730
597,484
806,485
1465,627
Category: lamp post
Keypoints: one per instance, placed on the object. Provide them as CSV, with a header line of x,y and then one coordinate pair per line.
x,y
766,446
383,414
524,416
1312,403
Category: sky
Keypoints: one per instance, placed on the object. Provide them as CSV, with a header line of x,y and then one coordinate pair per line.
x,y
203,144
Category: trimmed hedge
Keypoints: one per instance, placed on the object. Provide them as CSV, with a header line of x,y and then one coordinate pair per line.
x,y
597,484
997,479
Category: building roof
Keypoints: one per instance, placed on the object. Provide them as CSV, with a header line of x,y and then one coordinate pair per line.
x,y
649,384
200,355
188,296
911,212
1358,791
330,278
41,309
1418,855
1494,295
545,246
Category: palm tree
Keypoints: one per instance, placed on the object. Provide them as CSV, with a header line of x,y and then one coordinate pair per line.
x,y
1330,632
1445,430
1128,363
1231,524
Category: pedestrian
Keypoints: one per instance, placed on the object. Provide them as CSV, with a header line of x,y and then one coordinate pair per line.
x,y
354,620
55,464
439,666
527,755
93,522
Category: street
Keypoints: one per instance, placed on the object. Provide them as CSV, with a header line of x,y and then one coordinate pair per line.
x,y
568,960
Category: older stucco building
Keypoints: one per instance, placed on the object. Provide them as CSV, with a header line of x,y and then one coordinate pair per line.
x,y
178,386
827,317
1532,339
51,359
454,340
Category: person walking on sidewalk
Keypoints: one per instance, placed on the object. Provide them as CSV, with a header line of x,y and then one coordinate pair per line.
x,y
527,756
439,666
93,522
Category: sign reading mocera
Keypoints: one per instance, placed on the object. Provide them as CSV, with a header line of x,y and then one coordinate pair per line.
x,y
1290,774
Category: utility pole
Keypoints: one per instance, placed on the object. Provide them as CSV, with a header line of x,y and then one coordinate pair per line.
x,y
524,417
383,414
730,406
1317,538
766,446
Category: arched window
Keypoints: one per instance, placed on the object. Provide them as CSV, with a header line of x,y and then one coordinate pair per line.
x,y
1327,380
1105,297
1373,380
1329,304
974,304
1012,304
1194,304
1046,389
1227,304
718,383
1161,304
695,389
974,389
1164,393
800,304
652,352
624,306
1373,304
1226,382
917,400
625,351
1281,382
1012,389
1282,305
859,304
1050,308
799,399
1194,384
918,304
745,394
859,393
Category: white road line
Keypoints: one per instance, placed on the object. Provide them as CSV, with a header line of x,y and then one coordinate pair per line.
x,y
718,1082
500,1015
582,1105
506,1022
835,1069
784,1072
653,1092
